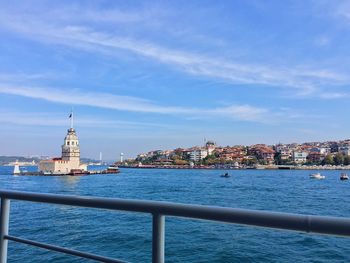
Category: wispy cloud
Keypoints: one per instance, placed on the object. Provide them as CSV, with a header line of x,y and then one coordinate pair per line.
x,y
59,120
132,104
334,95
22,77
342,9
303,78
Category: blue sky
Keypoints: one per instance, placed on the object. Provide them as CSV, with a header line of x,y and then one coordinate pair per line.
x,y
145,75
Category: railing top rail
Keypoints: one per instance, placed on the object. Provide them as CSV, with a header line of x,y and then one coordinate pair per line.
x,y
305,223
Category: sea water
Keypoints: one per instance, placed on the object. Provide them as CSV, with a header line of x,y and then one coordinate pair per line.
x,y
127,236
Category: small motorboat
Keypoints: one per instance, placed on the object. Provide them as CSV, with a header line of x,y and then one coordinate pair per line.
x,y
317,176
225,175
344,176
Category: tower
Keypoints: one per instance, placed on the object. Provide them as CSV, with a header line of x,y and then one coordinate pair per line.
x,y
70,159
121,157
70,147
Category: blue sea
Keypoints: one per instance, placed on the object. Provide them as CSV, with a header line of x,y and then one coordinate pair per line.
x,y
127,236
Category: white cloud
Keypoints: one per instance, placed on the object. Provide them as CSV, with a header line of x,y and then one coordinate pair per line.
x,y
303,78
132,104
334,95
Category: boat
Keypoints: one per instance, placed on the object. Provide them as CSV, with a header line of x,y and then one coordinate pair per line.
x,y
225,175
317,176
112,169
344,176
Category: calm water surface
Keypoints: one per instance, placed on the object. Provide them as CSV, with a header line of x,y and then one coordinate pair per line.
x,y
128,236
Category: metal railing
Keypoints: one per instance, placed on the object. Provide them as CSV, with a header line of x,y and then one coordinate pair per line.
x,y
158,210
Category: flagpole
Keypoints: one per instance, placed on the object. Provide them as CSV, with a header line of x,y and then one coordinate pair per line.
x,y
71,119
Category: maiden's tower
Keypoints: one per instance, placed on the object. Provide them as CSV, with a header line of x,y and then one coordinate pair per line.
x,y
69,162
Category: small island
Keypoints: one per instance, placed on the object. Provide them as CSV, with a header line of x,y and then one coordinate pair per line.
x,y
69,163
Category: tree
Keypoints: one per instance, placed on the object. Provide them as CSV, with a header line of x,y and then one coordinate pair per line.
x,y
328,159
250,161
346,160
180,162
338,159
278,159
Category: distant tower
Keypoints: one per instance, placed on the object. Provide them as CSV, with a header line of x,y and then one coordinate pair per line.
x,y
101,157
121,157
210,146
70,147
70,159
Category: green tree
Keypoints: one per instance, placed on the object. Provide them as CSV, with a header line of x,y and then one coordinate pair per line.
x,y
338,159
250,161
328,159
346,160
278,159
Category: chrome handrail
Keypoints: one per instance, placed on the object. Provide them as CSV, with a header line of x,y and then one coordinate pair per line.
x,y
303,223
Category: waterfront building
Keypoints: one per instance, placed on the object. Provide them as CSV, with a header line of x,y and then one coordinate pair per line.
x,y
315,157
70,159
198,154
263,152
236,153
285,155
321,150
299,157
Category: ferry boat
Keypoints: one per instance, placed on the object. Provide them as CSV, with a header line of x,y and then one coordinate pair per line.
x,y
112,169
317,176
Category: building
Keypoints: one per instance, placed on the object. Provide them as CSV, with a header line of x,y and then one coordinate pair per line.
x,y
285,155
345,149
198,154
262,152
315,157
235,153
299,157
210,146
70,159
320,150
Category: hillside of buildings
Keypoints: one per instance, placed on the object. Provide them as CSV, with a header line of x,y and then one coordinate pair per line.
x,y
310,153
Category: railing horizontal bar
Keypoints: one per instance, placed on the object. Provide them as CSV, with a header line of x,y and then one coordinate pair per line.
x,y
64,250
305,223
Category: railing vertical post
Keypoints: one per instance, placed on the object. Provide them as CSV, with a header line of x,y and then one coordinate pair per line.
x,y
158,238
4,228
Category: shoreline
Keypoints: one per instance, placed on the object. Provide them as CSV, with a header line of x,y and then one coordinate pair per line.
x,y
260,167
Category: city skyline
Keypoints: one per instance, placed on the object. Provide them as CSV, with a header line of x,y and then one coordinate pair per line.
x,y
154,75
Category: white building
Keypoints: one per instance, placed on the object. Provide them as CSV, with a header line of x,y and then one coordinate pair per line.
x,y
70,159
299,157
320,150
198,154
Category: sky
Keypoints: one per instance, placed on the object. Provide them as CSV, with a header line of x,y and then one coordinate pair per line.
x,y
146,75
